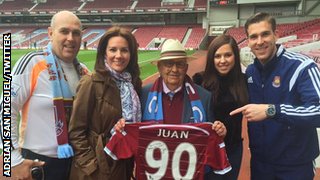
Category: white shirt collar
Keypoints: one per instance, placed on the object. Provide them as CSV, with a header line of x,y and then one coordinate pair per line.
x,y
167,90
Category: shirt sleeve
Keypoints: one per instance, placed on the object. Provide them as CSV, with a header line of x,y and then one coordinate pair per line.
x,y
122,145
307,113
217,155
21,86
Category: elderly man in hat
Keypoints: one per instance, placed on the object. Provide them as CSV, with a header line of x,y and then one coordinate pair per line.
x,y
173,98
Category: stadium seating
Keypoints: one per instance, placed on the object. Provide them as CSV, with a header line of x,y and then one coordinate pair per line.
x,y
149,36
173,32
37,36
20,6
304,31
145,35
314,54
200,3
171,6
110,4
57,5
19,35
152,21
90,36
15,6
195,38
149,3
237,33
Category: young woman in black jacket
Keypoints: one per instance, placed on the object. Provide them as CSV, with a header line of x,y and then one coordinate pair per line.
x,y
224,78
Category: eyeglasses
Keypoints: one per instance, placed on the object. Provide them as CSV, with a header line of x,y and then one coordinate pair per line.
x,y
170,64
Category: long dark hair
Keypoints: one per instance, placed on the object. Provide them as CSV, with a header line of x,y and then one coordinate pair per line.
x,y
133,67
236,80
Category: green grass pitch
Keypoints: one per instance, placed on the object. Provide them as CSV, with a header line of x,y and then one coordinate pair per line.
x,y
88,58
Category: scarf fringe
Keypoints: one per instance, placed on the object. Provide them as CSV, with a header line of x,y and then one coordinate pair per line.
x,y
65,151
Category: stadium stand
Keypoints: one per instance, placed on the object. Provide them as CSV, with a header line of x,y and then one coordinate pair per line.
x,y
92,36
37,36
195,38
145,35
173,32
89,36
305,32
302,33
174,6
190,35
21,34
314,54
200,3
17,6
110,4
148,4
50,4
237,33
152,21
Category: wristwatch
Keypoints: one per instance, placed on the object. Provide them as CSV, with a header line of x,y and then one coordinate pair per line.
x,y
271,110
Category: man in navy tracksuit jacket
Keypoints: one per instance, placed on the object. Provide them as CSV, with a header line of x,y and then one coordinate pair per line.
x,y
284,89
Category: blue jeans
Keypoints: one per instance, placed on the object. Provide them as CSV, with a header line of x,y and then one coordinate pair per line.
x,y
235,158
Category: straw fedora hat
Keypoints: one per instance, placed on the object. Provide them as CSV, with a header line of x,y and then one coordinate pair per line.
x,y
172,49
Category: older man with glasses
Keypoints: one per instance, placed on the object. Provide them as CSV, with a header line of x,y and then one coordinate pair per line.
x,y
174,99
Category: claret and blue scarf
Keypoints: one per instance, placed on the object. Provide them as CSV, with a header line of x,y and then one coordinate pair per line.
x,y
62,101
154,110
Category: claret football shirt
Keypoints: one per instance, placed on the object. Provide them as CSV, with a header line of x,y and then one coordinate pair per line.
x,y
164,151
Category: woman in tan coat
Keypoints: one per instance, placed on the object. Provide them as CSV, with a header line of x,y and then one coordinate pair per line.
x,y
109,94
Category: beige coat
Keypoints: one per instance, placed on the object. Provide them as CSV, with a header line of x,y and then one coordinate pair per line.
x,y
97,107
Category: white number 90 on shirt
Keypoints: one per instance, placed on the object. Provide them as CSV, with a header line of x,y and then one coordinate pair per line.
x,y
163,164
